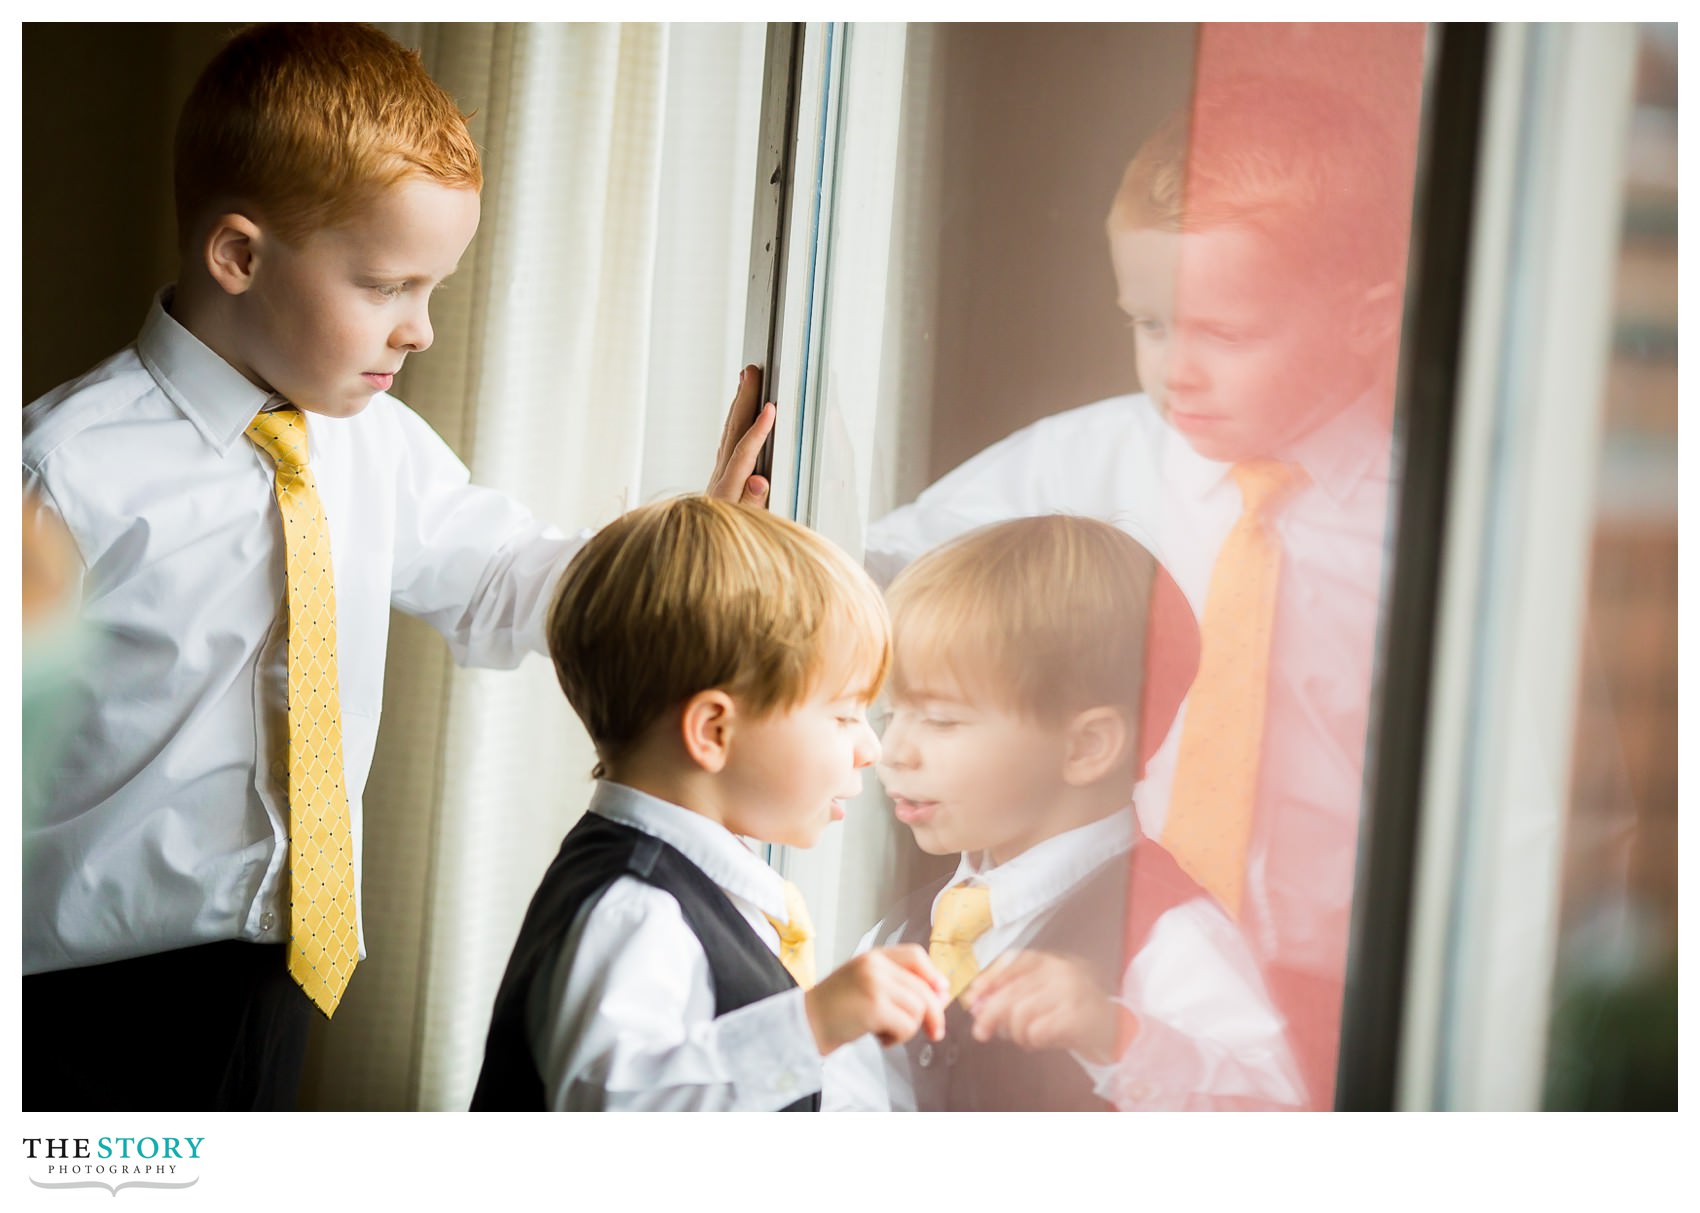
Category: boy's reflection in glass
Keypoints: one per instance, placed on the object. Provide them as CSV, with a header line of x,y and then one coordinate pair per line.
x,y
1258,245
1016,693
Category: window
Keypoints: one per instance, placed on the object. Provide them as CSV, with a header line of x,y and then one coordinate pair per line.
x,y
989,337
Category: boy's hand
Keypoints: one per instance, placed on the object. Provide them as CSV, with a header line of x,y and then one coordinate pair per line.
x,y
890,992
748,423
1043,1001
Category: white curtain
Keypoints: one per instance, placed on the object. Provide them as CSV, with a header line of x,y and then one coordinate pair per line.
x,y
584,356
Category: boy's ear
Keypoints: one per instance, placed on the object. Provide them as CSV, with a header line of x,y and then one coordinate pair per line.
x,y
705,727
1098,741
232,252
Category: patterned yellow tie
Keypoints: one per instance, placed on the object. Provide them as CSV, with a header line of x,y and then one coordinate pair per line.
x,y
962,915
323,947
1208,829
796,937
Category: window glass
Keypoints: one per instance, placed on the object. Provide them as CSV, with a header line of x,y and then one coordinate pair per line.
x,y
1149,279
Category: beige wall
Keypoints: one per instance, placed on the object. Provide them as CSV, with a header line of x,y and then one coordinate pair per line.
x,y
1037,123
1001,305
100,107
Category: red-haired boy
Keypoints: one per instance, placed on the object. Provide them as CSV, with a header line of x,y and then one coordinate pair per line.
x,y
248,502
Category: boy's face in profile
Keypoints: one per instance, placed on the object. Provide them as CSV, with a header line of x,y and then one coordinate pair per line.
x,y
1239,353
330,321
965,774
789,772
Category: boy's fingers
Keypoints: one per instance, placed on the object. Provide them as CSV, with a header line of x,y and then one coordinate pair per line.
x,y
755,491
924,1005
988,1013
1023,1015
749,446
748,398
935,1018
914,994
1009,967
932,1008
1014,1014
1045,1030
734,477
914,958
1011,970
908,954
897,1014
995,1012
735,461
745,402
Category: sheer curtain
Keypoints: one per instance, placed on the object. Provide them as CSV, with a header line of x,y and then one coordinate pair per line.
x,y
584,355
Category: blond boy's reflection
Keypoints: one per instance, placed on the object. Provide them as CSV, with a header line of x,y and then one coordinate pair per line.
x,y
1258,245
1016,693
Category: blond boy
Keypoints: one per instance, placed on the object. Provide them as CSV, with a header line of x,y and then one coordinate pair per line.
x,y
1087,970
722,659
248,502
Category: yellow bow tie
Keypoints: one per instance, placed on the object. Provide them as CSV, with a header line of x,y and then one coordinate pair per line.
x,y
796,937
962,915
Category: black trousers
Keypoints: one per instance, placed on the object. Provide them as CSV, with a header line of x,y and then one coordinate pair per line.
x,y
220,1027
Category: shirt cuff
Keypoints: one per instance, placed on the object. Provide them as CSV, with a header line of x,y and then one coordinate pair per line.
x,y
770,1051
1152,1074
1164,1070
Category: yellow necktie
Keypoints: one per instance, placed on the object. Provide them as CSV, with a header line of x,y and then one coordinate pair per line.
x,y
1208,829
323,947
962,915
796,937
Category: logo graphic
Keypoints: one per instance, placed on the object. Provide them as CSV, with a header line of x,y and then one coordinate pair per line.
x,y
114,1163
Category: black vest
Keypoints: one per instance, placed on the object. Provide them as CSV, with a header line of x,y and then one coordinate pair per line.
x,y
1096,923
595,853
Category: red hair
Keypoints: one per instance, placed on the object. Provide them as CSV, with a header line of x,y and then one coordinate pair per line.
x,y
304,124
1301,163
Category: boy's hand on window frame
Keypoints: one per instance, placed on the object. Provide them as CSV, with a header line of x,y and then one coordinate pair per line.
x,y
748,423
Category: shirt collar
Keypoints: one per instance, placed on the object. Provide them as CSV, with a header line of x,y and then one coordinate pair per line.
x,y
1339,456
1349,448
1044,874
724,858
216,398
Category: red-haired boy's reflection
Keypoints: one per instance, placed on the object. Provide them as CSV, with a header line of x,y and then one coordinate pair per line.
x,y
1258,244
1019,662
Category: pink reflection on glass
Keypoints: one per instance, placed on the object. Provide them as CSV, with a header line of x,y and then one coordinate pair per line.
x,y
1259,248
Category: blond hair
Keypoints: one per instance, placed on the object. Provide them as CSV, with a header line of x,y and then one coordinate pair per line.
x,y
1301,163
305,124
1042,616
692,594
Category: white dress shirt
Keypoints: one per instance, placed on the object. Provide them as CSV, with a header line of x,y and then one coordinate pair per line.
x,y
1208,1034
1119,461
623,1018
166,824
